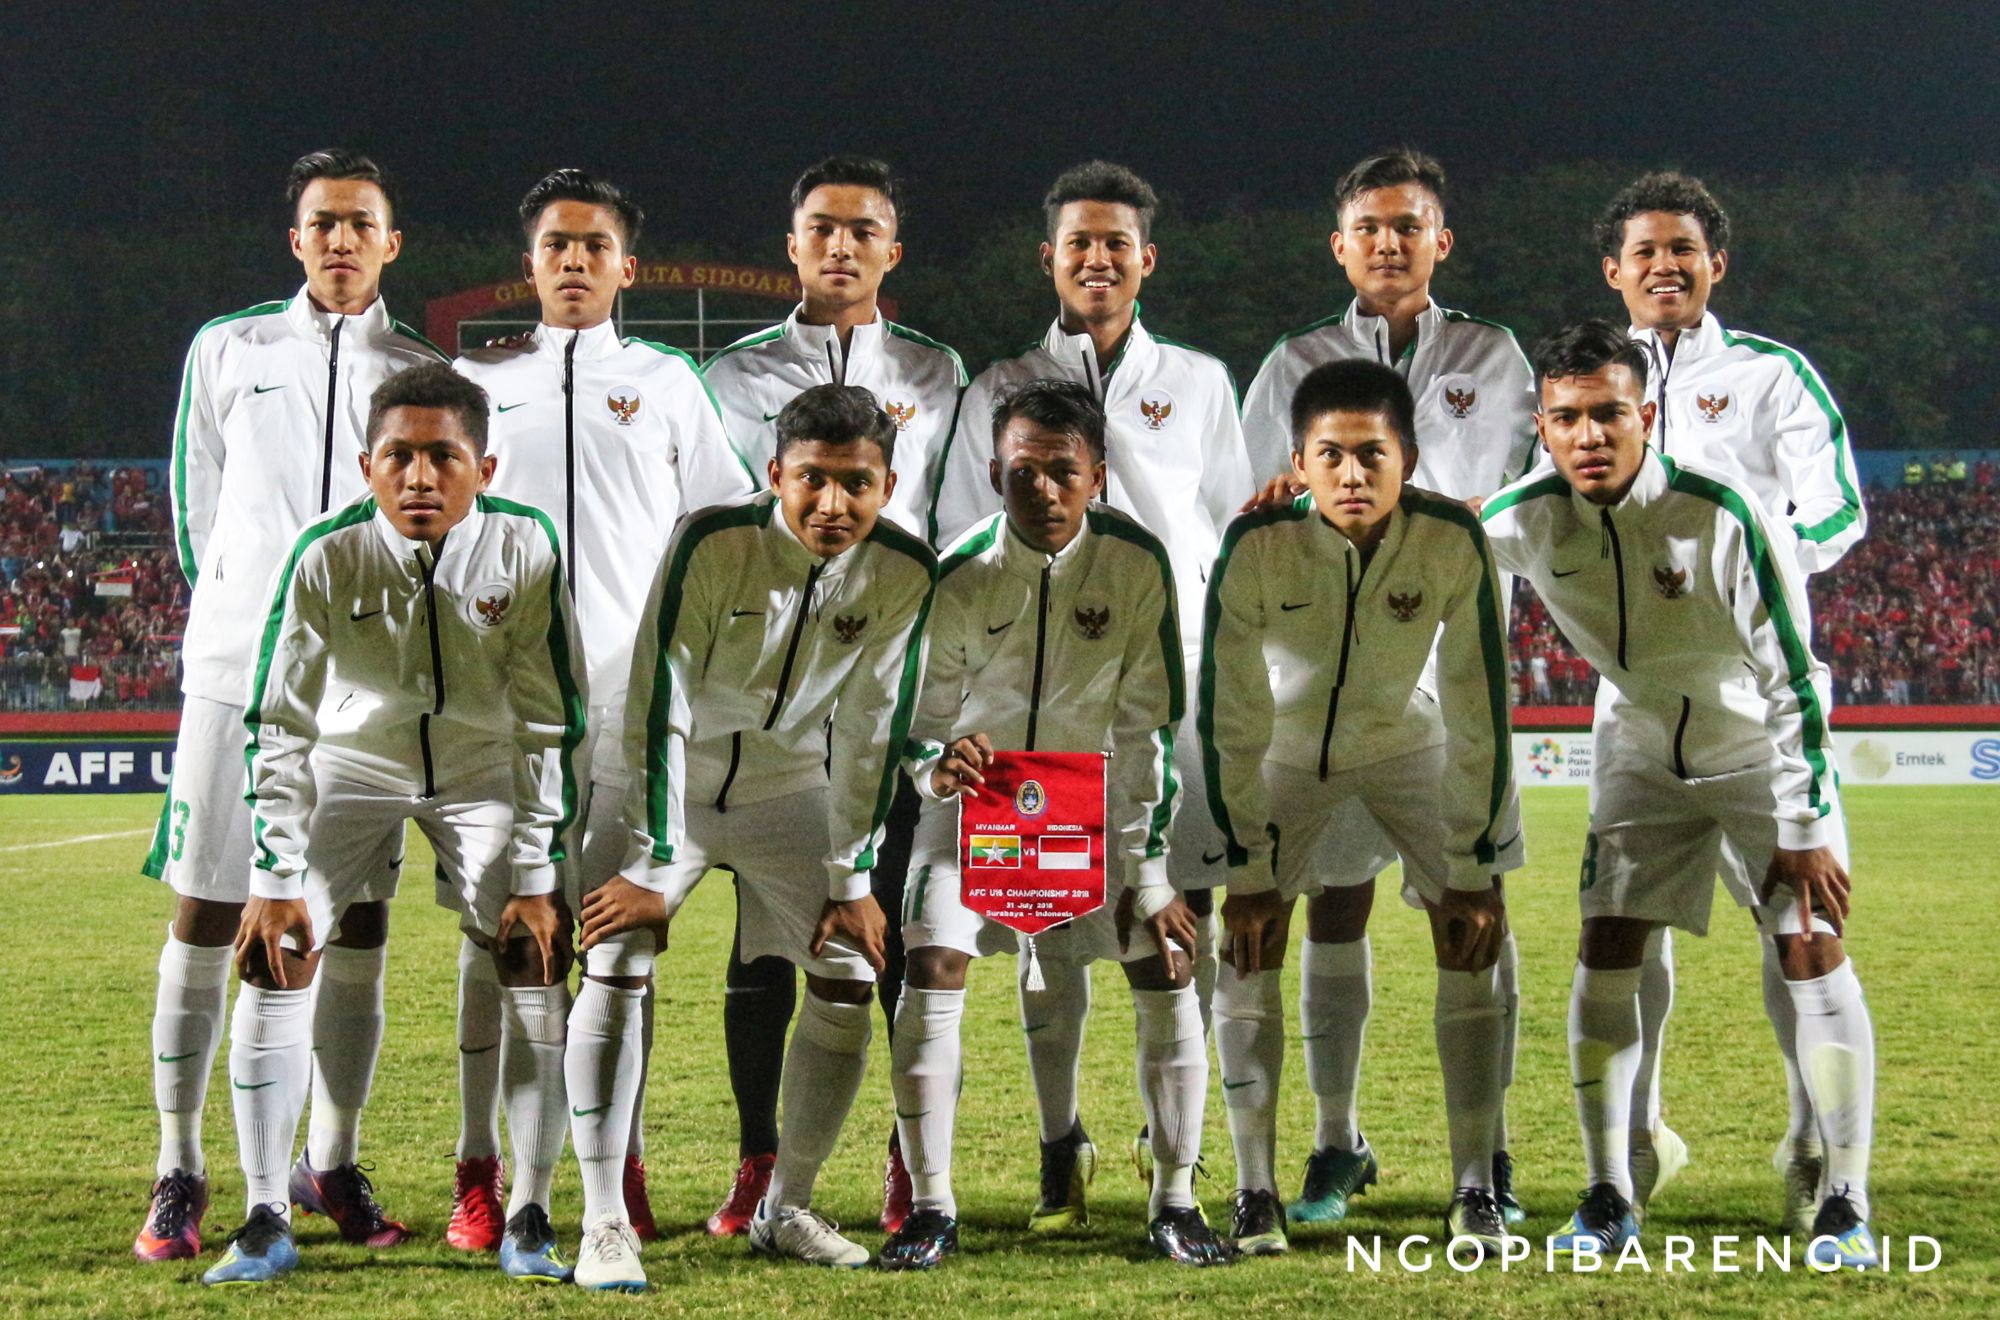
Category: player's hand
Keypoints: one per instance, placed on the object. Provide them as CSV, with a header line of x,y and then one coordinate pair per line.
x,y
518,340
1172,928
1476,503
542,919
1250,922
859,924
1816,877
1471,922
617,906
1281,489
266,922
958,770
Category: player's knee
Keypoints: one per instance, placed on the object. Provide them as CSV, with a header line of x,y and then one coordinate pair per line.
x,y
206,922
1154,973
1800,961
1613,943
1201,902
519,963
1339,915
936,968
299,969
840,992
363,926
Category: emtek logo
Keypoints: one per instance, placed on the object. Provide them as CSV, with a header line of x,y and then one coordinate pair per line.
x,y
1986,759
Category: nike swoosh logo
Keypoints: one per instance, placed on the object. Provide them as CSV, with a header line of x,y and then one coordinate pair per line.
x,y
509,407
264,389
1287,608
483,1049
1560,573
772,417
1578,1086
744,614
176,1058
911,1117
1206,860
586,1113
1002,628
257,1087
1318,1036
359,615
1228,1085
1039,1026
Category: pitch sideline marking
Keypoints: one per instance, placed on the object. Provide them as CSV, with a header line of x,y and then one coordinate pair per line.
x,y
81,838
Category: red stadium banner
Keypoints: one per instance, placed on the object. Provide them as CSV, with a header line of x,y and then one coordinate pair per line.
x,y
1031,841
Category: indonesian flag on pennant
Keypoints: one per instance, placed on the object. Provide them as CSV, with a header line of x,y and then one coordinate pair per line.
x,y
1031,842
116,584
86,682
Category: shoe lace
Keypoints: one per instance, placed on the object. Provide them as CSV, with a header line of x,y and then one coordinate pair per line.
x,y
607,1240
173,1200
1601,1208
1503,1173
265,1225
352,1189
742,1191
531,1225
475,1175
1836,1216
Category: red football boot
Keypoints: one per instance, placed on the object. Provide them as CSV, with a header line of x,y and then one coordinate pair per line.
x,y
638,1208
346,1196
895,1189
172,1230
753,1179
478,1204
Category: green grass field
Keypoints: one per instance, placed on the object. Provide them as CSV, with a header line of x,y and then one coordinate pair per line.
x,y
77,1132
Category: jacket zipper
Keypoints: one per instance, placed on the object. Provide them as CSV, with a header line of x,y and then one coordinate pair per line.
x,y
1680,734
1041,639
1664,361
735,759
792,648
429,570
836,363
1340,675
1618,569
332,395
569,454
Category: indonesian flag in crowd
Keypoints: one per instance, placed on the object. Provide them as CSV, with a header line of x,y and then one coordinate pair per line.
x,y
86,682
117,583
1031,842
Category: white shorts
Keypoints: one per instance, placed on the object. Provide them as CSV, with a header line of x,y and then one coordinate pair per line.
x,y
1393,802
1658,842
777,851
471,832
202,844
934,915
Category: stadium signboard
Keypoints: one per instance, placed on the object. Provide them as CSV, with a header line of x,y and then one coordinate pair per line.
x,y
1867,756
69,766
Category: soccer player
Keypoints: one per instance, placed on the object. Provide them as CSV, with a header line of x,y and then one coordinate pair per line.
x,y
264,442
847,216
1475,411
614,438
1055,630
1174,460
774,681
1686,594
1322,615
1754,412
418,663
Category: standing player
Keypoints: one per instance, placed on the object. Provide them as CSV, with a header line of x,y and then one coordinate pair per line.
x,y
270,421
847,219
1756,413
615,439
1055,631
1174,461
1322,618
1678,587
775,679
439,619
1475,412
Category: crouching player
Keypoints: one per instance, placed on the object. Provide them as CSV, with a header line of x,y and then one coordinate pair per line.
x,y
418,663
776,670
1321,616
1054,631
1682,592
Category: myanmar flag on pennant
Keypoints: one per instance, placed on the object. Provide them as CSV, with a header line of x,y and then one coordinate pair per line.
x,y
1031,842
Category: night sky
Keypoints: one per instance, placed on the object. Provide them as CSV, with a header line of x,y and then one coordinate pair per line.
x,y
175,115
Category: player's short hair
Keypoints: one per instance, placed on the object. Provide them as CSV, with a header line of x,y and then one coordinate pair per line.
x,y
334,163
1062,406
574,185
852,172
1354,386
836,415
1662,190
1588,347
433,385
1391,169
1101,181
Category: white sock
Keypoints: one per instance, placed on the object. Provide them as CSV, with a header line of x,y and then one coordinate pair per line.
x,y
635,1144
1173,1083
1250,1042
1207,964
924,1076
1837,1047
1802,1128
1508,972
1471,1024
347,1036
187,1028
478,1053
823,1070
270,1053
1656,1002
532,1065
1603,1055
601,1071
1052,1020
1335,994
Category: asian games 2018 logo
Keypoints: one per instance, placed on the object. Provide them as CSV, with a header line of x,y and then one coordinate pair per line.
x,y
1030,799
1545,758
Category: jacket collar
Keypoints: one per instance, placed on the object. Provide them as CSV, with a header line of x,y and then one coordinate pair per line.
x,y
792,552
1647,488
599,341
1370,334
1698,341
820,344
1024,561
1327,542
1076,356
371,322
414,554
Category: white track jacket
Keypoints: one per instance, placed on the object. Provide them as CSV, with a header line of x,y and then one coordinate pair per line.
x,y
614,439
1474,390
1312,660
1074,652
273,411
411,671
1173,447
1687,597
762,661
916,379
